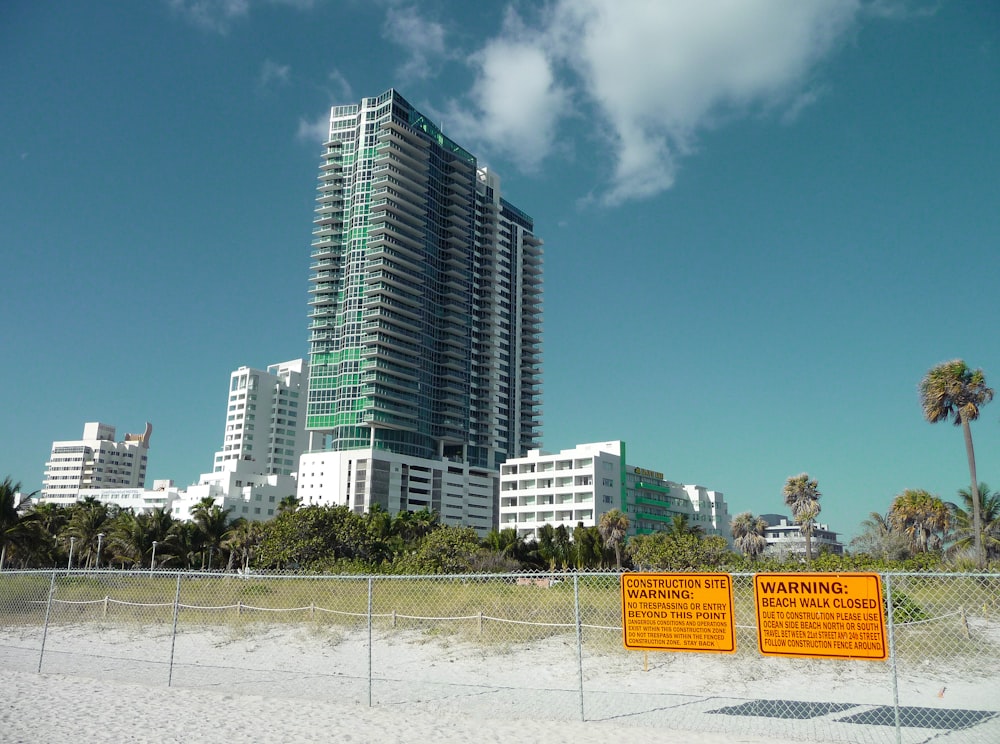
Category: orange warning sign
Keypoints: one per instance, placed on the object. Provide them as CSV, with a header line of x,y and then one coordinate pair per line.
x,y
678,612
829,616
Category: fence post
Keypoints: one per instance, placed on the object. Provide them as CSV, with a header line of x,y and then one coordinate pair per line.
x,y
312,610
480,622
579,640
45,629
173,633
370,581
892,656
104,612
239,607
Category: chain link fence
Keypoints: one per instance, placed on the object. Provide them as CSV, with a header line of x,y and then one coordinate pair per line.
x,y
519,645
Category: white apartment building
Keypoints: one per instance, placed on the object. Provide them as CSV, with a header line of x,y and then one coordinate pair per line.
x,y
458,492
579,485
96,461
784,537
265,419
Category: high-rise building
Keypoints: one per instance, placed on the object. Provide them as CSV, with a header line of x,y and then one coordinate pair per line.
x,y
425,297
77,467
265,420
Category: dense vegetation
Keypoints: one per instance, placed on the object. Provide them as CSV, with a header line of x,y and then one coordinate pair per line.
x,y
919,533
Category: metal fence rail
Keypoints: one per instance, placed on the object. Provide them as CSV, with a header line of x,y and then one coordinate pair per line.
x,y
538,645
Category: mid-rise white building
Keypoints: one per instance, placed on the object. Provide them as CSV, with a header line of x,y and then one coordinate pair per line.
x,y
461,494
265,419
579,485
784,537
96,461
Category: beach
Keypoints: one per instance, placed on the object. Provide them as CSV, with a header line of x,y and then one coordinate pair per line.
x,y
292,683
56,707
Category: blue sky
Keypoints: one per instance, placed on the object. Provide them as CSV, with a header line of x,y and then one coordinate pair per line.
x,y
764,221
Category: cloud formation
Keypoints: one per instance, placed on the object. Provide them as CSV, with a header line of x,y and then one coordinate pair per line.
x,y
272,72
317,129
651,75
423,40
217,16
211,15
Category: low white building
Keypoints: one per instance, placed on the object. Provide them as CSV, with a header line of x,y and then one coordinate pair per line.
x,y
784,537
579,485
78,467
252,496
461,494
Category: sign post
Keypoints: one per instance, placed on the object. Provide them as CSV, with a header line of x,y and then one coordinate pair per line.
x,y
678,612
827,616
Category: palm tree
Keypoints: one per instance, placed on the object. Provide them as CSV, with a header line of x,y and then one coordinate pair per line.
x,y
88,519
213,523
243,542
132,537
879,539
951,390
989,512
680,525
613,527
922,517
546,546
587,546
14,526
802,497
506,543
289,503
749,534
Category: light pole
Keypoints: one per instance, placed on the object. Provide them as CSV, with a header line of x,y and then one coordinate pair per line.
x,y
152,561
100,540
69,563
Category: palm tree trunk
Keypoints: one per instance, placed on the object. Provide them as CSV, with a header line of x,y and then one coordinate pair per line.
x,y
809,552
977,518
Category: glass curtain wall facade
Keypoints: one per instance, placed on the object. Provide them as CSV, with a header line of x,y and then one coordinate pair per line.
x,y
425,296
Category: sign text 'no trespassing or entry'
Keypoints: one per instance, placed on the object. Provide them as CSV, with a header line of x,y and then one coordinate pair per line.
x,y
678,612
830,616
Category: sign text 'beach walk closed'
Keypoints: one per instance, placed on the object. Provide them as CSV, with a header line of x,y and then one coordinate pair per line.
x,y
678,612
831,616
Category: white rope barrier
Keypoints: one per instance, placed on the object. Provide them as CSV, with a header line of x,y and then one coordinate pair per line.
x,y
241,607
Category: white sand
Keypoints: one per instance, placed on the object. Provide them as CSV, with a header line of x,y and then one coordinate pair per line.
x,y
302,683
55,707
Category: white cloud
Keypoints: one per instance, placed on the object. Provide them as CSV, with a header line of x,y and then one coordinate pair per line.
x,y
518,102
651,74
272,72
314,130
211,15
340,89
423,40
801,102
218,16
317,129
